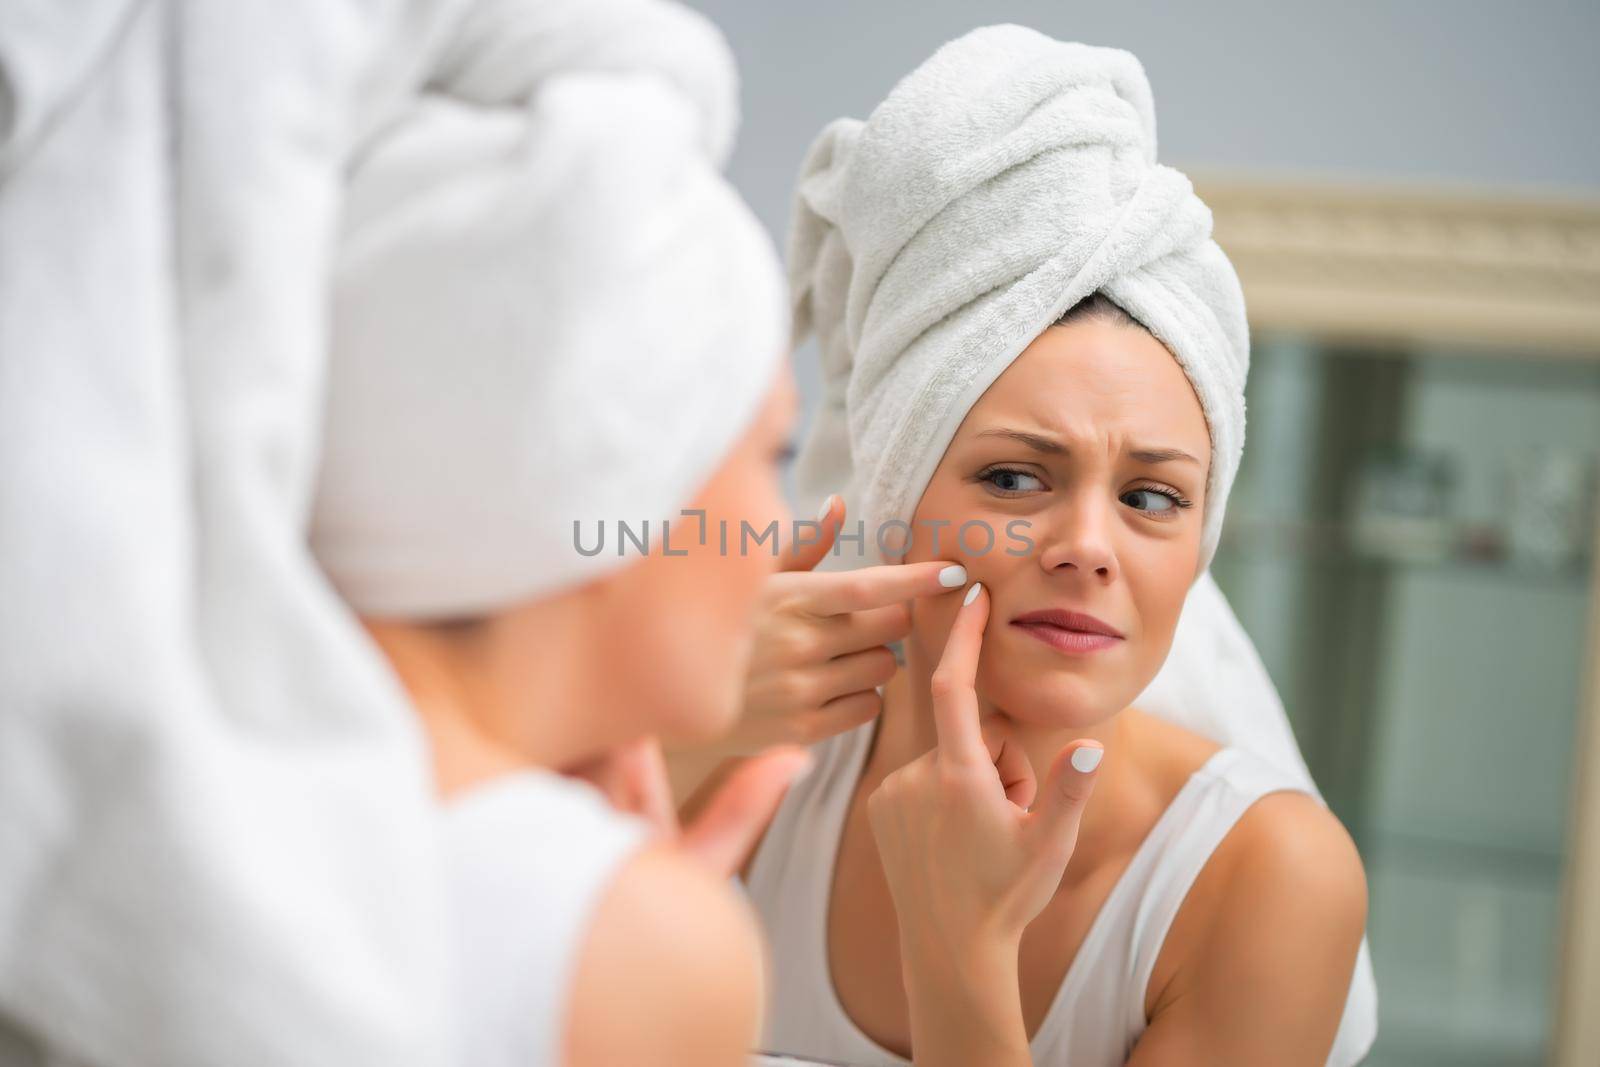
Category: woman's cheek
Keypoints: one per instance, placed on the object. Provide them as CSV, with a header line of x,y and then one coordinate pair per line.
x,y
1159,594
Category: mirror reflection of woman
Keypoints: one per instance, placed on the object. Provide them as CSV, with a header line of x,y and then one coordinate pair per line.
x,y
1023,317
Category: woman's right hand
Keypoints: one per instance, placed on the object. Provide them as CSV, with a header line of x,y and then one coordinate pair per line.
x,y
973,848
821,641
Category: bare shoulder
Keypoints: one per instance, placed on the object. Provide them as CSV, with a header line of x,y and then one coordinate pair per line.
x,y
677,952
1284,843
1288,866
1258,961
1290,844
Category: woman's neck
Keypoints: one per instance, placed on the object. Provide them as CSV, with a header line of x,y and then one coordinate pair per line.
x,y
481,711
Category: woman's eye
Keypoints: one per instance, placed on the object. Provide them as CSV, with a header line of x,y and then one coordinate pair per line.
x,y
1149,500
1012,481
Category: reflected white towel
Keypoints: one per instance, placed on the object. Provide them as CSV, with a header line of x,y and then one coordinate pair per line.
x,y
1002,181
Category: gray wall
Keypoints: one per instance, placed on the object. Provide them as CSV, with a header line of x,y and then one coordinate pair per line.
x,y
1466,92
1459,91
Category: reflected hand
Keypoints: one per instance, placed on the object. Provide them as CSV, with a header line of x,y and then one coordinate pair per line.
x,y
820,647
966,859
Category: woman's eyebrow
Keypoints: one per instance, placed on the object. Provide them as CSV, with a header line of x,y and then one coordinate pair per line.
x,y
1037,442
1050,446
1162,455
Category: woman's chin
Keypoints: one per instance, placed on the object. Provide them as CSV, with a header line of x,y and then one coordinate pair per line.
x,y
1051,695
1040,715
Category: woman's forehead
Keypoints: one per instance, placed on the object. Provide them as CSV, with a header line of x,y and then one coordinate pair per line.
x,y
1088,379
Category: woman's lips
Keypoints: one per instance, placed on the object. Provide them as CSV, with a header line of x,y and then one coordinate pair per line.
x,y
1069,631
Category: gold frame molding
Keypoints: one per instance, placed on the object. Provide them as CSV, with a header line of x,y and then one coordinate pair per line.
x,y
1511,275
1412,264
1577,1029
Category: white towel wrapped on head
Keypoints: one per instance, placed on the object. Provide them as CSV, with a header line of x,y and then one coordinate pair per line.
x,y
1004,180
532,298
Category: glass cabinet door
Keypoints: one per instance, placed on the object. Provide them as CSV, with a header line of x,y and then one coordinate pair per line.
x,y
1409,544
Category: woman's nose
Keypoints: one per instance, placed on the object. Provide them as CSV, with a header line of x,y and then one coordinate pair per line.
x,y
1079,539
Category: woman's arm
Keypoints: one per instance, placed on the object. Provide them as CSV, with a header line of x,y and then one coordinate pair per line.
x,y
671,972
1267,941
965,1005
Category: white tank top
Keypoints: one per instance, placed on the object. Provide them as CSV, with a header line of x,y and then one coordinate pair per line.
x,y
1098,1012
529,857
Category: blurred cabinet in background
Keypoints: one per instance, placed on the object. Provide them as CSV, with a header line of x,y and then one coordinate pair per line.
x,y
1412,545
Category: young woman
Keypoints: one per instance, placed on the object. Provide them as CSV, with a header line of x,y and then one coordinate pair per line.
x,y
1034,362
553,317
1200,907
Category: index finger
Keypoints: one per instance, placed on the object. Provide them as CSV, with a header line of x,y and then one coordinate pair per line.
x,y
953,686
839,592
804,555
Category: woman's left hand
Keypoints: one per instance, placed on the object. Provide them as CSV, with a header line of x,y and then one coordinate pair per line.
x,y
968,863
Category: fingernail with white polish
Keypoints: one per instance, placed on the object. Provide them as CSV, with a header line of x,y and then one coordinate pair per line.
x,y
827,506
1086,759
972,594
953,576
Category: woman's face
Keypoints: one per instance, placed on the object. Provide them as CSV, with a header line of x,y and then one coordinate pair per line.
x,y
683,622
1087,459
